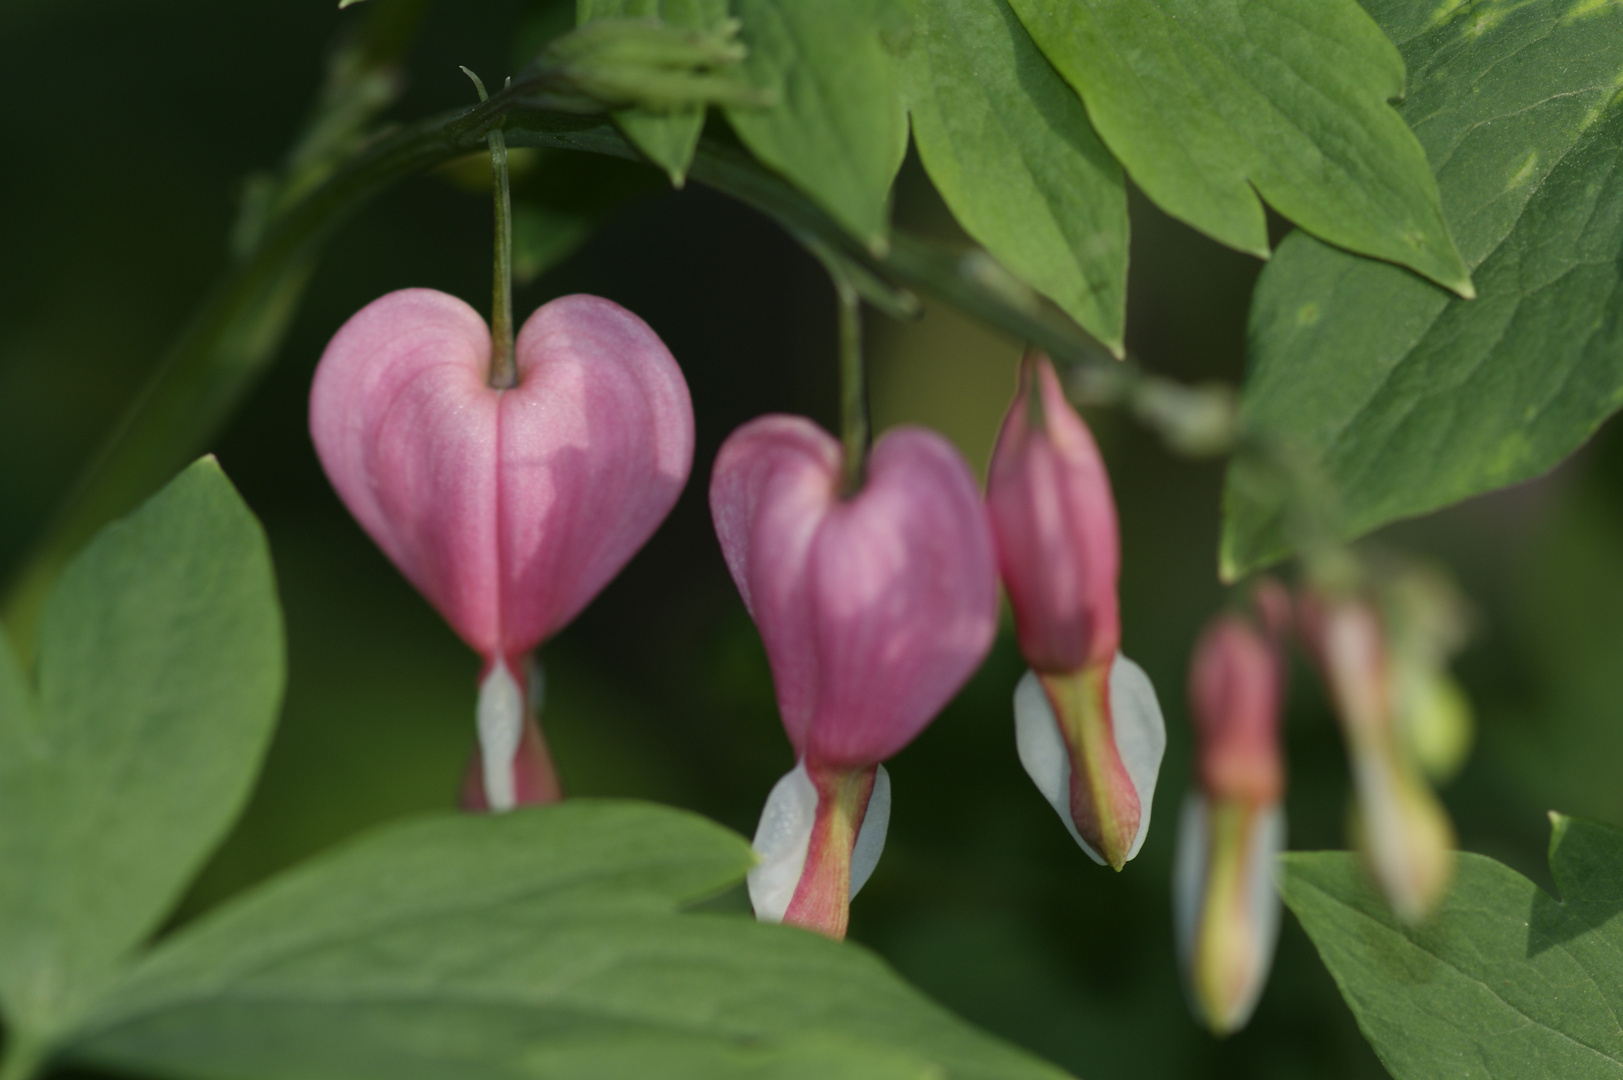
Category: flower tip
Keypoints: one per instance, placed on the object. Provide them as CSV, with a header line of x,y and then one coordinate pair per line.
x,y
817,843
1095,762
1225,907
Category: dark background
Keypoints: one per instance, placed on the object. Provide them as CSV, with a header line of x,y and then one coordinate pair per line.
x,y
127,129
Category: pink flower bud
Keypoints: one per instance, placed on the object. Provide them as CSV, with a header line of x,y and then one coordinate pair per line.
x,y
1054,522
1235,682
508,509
1088,727
1226,911
875,608
1402,829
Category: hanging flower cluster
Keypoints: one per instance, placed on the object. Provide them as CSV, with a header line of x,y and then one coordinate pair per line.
x,y
510,502
1381,639
510,480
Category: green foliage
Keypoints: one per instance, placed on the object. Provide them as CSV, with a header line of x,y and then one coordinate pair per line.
x,y
159,676
1391,393
669,138
541,943
1211,103
1009,147
1502,981
839,128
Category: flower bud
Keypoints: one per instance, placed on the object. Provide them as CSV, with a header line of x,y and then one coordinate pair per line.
x,y
874,608
1087,725
1402,829
1235,683
1054,521
508,509
1225,908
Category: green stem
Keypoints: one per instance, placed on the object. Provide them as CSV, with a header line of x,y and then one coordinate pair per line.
x,y
855,431
503,367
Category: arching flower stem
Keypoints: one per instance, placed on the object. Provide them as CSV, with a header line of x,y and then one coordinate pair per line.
x,y
503,369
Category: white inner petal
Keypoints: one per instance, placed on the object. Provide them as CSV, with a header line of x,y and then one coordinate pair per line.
x,y
1141,736
1189,860
1384,840
1266,841
501,726
781,840
871,837
1042,752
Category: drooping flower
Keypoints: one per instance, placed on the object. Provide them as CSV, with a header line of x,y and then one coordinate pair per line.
x,y
508,509
1087,724
1402,829
1225,908
875,607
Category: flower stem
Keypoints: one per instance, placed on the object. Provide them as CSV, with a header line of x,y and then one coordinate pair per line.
x,y
503,368
855,432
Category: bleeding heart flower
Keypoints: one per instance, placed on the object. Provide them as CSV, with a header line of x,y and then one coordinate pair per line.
x,y
1225,908
508,509
1087,724
1402,829
875,608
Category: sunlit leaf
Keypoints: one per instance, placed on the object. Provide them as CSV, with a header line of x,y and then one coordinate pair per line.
x,y
1213,103
1009,147
545,942
1397,398
838,129
159,675
1502,981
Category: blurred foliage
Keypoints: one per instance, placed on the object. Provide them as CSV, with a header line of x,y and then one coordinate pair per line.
x,y
660,690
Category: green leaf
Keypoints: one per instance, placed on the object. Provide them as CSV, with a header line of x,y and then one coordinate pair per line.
x,y
1009,147
546,942
16,709
839,129
1400,399
1213,103
160,673
668,139
1502,981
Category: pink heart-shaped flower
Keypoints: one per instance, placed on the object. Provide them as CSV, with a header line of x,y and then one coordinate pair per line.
x,y
508,509
875,608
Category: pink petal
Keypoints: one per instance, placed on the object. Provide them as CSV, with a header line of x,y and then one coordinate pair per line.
x,y
407,431
1054,521
1235,685
907,598
875,608
596,444
775,479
